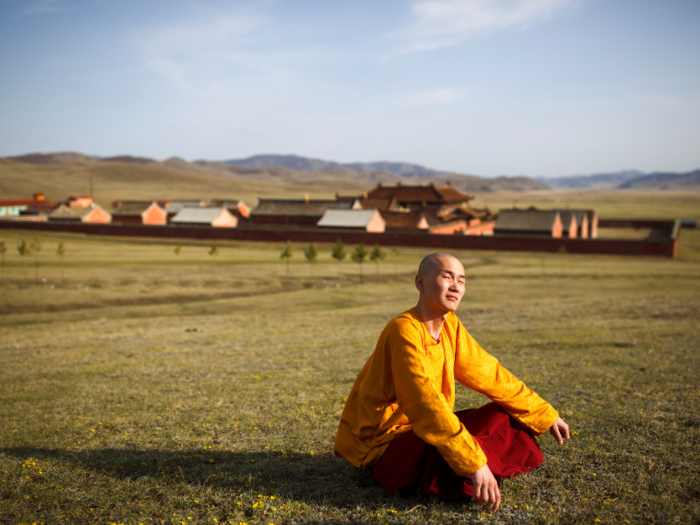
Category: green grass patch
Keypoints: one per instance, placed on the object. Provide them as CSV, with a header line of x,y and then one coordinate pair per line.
x,y
139,387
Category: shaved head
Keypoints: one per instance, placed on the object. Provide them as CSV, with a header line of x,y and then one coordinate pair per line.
x,y
429,263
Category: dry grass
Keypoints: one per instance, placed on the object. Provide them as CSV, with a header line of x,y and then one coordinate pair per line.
x,y
654,204
118,180
214,394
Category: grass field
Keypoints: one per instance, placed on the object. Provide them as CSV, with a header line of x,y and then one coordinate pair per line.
x,y
139,386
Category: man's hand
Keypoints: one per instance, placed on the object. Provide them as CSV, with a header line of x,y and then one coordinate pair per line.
x,y
486,489
560,431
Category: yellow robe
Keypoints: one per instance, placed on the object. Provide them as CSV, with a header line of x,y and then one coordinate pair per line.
x,y
408,383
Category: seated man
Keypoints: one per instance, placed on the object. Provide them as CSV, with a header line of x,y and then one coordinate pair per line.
x,y
398,419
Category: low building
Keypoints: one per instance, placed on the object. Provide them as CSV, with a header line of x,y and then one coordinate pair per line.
x,y
12,208
307,212
569,225
449,227
449,212
545,223
477,227
415,198
79,201
407,221
592,224
216,217
63,214
591,218
139,212
23,218
445,209
586,221
172,207
16,207
582,223
237,208
372,203
367,220
97,215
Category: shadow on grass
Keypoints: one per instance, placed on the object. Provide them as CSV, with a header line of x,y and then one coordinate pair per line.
x,y
321,480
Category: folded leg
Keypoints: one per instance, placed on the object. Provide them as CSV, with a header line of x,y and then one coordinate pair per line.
x,y
409,464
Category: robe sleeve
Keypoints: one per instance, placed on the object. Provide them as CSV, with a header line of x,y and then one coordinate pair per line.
x,y
480,371
420,398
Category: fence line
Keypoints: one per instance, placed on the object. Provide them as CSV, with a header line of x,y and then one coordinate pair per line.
x,y
664,245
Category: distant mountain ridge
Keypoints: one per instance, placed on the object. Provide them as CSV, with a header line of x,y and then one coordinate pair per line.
x,y
628,179
296,162
664,181
270,168
599,180
303,170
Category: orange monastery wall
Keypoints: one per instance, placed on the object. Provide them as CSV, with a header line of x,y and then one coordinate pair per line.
x,y
377,224
556,231
155,215
97,216
225,220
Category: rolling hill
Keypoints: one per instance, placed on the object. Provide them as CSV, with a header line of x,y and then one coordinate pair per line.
x,y
630,179
599,180
127,177
665,181
402,169
122,180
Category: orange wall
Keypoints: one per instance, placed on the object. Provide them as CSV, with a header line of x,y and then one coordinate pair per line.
x,y
480,229
97,216
81,202
155,216
377,224
450,229
225,220
594,227
556,231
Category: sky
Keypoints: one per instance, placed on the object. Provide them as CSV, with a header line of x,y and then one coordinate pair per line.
x,y
486,87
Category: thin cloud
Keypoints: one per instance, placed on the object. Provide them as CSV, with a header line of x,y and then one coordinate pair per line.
x,y
177,53
443,23
217,51
43,7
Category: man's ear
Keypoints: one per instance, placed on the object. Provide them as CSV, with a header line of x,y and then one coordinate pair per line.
x,y
420,286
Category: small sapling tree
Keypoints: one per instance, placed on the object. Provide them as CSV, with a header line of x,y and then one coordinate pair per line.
x,y
287,254
359,255
339,253
24,252
311,254
61,251
377,255
35,248
214,252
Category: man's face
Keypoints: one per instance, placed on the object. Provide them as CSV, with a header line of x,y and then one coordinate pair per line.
x,y
443,289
